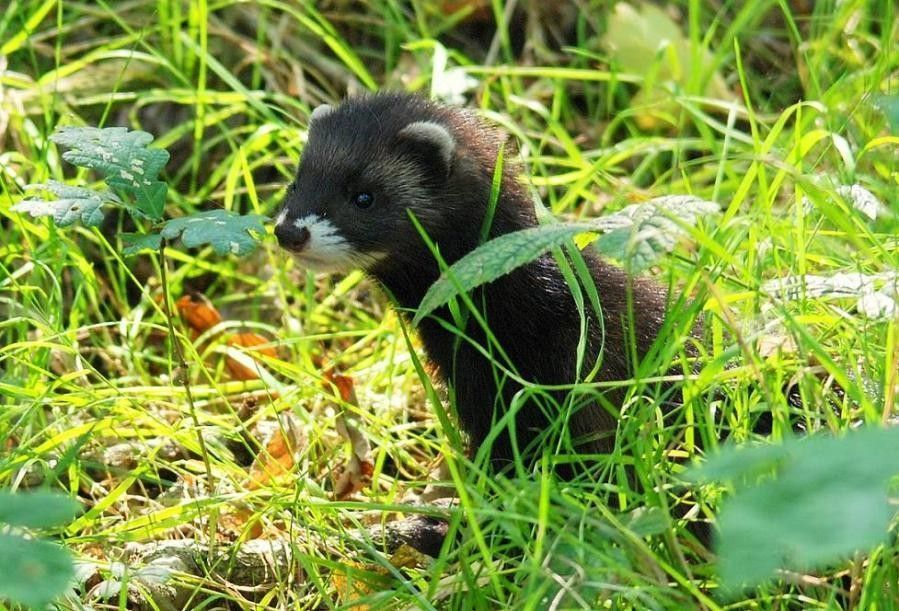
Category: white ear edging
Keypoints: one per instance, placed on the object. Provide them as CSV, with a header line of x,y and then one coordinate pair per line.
x,y
320,111
433,134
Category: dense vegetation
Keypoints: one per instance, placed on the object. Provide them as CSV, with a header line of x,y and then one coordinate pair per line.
x,y
246,447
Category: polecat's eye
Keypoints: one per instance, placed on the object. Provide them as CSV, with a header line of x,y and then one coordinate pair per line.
x,y
363,200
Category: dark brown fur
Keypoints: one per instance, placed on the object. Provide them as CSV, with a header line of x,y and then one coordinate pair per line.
x,y
530,311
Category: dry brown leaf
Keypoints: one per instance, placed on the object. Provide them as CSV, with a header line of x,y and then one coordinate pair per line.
x,y
239,524
278,457
252,343
479,9
356,473
200,316
407,557
349,584
198,312
343,384
352,478
349,588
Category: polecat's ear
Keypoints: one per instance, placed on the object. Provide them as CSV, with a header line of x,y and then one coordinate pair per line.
x,y
320,111
436,138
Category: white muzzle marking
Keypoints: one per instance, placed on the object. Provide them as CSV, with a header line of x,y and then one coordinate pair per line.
x,y
326,250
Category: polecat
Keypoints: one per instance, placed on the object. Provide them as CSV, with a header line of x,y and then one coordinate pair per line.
x,y
370,162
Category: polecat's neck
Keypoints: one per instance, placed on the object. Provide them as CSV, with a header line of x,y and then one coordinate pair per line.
x,y
409,277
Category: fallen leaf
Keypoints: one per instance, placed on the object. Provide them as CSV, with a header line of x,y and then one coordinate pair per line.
x,y
252,343
407,557
278,457
240,523
356,473
343,384
349,587
198,312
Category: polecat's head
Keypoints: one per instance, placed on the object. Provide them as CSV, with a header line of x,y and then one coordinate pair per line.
x,y
368,162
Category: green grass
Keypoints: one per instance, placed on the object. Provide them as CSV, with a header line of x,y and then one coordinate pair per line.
x,y
86,359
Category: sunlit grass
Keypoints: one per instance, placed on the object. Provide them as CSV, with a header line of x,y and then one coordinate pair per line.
x,y
86,360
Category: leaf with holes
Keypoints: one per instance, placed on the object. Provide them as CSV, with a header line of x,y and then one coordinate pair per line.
x,y
123,158
73,204
227,232
638,234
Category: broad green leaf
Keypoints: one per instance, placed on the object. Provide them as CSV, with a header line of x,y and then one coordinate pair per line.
x,y
124,160
635,37
38,509
647,42
137,242
227,232
74,204
639,234
496,258
150,200
34,572
827,500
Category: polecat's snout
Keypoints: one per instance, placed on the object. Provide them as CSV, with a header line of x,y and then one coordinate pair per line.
x,y
317,243
293,239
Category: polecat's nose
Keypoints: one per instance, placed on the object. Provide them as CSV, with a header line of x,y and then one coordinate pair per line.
x,y
290,237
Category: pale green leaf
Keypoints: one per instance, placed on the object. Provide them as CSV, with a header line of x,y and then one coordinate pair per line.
x,y
827,500
638,234
889,105
227,232
37,509
34,572
73,204
647,42
137,242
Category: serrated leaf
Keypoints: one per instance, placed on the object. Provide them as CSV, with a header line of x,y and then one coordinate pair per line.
x,y
112,151
38,509
74,204
861,199
151,200
122,157
639,235
137,242
227,232
34,572
827,501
